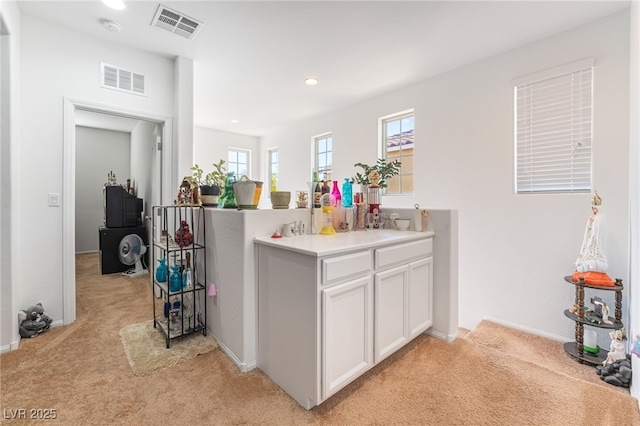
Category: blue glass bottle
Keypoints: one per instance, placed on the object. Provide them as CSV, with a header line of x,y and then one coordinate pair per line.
x,y
162,271
175,279
347,193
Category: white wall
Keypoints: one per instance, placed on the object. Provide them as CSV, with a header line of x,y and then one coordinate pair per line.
x,y
514,250
56,62
98,152
209,146
9,171
142,159
634,185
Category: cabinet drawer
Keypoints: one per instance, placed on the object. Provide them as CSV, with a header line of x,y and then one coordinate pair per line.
x,y
402,253
339,268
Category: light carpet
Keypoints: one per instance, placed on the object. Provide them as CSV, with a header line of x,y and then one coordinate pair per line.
x,y
147,352
539,350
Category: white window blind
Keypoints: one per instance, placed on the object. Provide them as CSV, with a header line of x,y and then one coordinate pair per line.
x,y
553,132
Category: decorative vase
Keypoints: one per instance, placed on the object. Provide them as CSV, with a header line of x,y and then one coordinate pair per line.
x,y
347,193
162,271
175,279
336,193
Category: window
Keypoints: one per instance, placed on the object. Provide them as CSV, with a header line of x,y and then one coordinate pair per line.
x,y
273,169
397,144
553,130
324,156
238,162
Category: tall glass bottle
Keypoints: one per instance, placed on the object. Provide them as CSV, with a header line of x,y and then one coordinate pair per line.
x,y
336,193
187,274
347,193
187,284
325,187
317,191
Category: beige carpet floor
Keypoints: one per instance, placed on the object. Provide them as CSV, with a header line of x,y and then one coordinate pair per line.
x,y
81,371
536,349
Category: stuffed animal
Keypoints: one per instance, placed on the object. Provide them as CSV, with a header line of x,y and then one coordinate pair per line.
x,y
33,321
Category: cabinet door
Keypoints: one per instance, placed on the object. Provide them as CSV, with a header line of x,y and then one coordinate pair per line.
x,y
391,295
347,333
420,296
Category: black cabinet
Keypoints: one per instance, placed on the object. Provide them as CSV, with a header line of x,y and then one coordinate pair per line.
x,y
110,240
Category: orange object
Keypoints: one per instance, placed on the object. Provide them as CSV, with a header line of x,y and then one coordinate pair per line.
x,y
594,278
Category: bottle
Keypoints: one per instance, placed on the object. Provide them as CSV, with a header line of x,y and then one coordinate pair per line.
x,y
187,301
175,279
187,274
162,271
336,193
325,187
347,193
317,191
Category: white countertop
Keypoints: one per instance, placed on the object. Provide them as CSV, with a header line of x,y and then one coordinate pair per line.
x,y
328,245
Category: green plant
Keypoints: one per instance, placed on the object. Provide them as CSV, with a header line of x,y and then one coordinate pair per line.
x,y
217,176
214,178
197,174
384,169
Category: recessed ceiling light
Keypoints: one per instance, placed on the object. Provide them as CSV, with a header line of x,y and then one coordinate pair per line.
x,y
114,4
110,25
235,121
311,81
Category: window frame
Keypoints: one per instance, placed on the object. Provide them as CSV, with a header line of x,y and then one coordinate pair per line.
x,y
574,152
316,156
383,150
270,164
248,163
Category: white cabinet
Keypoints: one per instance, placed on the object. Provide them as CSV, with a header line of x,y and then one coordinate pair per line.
x,y
326,316
347,333
403,305
391,309
420,296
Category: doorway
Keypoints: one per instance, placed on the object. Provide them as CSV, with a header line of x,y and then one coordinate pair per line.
x,y
162,173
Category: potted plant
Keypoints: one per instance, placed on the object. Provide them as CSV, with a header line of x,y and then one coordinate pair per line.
x,y
385,170
212,182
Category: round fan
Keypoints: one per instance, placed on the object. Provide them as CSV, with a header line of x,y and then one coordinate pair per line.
x,y
130,252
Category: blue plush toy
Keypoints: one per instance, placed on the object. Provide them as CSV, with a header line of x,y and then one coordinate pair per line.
x,y
33,321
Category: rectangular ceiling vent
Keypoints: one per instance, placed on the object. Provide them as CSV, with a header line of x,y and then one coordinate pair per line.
x,y
112,77
175,22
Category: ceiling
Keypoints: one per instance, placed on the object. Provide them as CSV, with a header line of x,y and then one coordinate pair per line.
x,y
251,58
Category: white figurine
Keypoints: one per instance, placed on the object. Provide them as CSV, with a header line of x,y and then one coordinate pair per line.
x,y
617,348
592,257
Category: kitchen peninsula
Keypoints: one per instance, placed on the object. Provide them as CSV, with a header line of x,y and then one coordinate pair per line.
x,y
332,307
232,315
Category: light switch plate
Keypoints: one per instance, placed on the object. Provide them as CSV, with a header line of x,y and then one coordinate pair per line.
x,y
54,199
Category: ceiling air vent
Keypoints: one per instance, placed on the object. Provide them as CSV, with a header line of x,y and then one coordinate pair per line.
x,y
112,77
175,22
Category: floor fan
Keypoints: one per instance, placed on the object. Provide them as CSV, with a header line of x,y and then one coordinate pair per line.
x,y
130,251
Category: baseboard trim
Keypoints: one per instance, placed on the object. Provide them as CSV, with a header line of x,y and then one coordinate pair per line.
x,y
528,329
442,336
243,367
11,346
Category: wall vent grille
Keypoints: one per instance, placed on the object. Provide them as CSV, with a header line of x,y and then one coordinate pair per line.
x,y
112,77
175,22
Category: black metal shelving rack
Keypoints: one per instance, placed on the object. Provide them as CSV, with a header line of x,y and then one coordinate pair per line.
x,y
172,322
